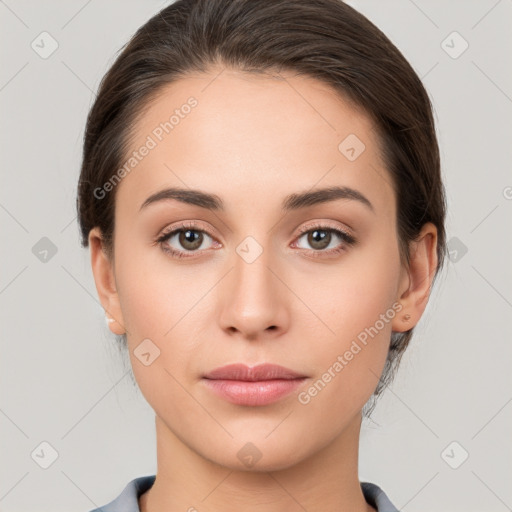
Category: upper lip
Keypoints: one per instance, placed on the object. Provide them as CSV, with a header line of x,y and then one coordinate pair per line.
x,y
256,373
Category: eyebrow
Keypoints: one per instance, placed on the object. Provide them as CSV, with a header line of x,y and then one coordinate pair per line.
x,y
290,203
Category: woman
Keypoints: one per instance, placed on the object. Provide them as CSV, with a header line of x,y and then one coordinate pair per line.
x,y
262,199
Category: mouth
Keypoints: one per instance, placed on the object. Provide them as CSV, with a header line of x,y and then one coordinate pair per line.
x,y
260,385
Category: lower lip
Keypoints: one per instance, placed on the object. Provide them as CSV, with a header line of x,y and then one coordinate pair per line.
x,y
261,392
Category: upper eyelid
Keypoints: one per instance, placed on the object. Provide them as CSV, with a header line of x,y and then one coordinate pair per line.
x,y
323,225
167,232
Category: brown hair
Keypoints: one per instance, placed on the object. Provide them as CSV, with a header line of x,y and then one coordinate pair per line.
x,y
324,39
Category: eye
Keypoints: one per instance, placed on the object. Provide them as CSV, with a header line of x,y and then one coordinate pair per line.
x,y
190,238
322,239
183,239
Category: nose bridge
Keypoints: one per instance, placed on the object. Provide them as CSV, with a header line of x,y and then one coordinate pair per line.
x,y
253,299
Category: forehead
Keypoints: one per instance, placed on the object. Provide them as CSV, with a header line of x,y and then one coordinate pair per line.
x,y
227,130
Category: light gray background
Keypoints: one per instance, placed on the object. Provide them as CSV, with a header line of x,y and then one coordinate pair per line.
x,y
62,380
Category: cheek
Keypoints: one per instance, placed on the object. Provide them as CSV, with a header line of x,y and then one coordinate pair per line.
x,y
359,309
363,288
165,303
348,365
154,292
161,312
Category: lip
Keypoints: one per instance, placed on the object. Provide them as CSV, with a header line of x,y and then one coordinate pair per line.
x,y
259,372
260,385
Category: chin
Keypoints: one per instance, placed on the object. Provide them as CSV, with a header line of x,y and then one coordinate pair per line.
x,y
257,454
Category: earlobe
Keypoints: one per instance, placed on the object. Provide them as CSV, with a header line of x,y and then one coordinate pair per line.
x,y
418,278
103,272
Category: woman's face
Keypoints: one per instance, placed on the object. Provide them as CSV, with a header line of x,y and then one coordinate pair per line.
x,y
257,275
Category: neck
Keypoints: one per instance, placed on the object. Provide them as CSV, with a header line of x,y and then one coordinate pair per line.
x,y
326,481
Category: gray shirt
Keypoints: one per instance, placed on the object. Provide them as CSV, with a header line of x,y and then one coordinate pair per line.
x,y
127,501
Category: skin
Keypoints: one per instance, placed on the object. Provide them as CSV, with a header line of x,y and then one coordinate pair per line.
x,y
252,140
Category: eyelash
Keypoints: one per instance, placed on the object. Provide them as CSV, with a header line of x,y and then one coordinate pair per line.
x,y
346,238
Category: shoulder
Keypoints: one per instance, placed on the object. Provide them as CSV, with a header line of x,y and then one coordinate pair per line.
x,y
127,501
377,498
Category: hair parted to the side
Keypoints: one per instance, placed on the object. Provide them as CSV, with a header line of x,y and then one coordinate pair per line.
x,y
324,39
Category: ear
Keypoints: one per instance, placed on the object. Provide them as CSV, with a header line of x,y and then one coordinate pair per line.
x,y
416,280
103,272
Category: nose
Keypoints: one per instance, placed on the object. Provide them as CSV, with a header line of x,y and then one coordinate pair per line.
x,y
253,298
